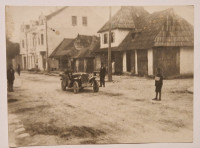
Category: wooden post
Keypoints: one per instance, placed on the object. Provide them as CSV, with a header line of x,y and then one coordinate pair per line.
x,y
109,49
27,50
47,50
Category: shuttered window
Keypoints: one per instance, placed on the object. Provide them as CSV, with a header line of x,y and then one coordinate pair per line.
x,y
84,20
74,20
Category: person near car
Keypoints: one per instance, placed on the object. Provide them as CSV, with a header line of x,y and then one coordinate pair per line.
x,y
10,77
18,69
158,84
102,75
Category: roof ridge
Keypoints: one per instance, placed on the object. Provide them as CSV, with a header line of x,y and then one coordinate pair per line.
x,y
49,16
68,38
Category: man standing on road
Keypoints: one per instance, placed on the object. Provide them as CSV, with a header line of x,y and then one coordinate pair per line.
x,y
18,69
158,84
102,75
10,77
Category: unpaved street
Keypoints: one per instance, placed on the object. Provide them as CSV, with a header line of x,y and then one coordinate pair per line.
x,y
122,112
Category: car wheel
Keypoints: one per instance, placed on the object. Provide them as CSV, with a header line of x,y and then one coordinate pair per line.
x,y
75,87
63,84
95,86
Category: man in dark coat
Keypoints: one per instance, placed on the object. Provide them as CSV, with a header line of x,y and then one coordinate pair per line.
x,y
10,77
102,75
158,84
18,69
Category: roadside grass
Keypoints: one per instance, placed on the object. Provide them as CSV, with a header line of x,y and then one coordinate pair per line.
x,y
12,100
41,128
29,109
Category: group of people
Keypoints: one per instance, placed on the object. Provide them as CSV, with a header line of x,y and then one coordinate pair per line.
x,y
11,76
158,79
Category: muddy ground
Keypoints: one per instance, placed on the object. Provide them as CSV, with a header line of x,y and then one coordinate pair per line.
x,y
122,112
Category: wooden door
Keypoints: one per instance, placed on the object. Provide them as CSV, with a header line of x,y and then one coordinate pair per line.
x,y
81,65
128,61
142,62
168,59
90,65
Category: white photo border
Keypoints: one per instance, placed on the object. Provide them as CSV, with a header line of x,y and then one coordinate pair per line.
x,y
196,102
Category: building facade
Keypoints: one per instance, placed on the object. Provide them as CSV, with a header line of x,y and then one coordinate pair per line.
x,y
161,39
40,38
77,54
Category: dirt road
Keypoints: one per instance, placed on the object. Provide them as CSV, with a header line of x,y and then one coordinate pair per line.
x,y
122,112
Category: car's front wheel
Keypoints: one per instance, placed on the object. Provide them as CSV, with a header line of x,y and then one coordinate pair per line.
x,y
95,86
76,87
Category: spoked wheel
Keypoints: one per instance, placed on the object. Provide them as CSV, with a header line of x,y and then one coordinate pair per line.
x,y
63,84
75,87
95,86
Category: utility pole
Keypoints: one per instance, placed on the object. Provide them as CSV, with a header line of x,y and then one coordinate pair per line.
x,y
47,50
27,49
109,49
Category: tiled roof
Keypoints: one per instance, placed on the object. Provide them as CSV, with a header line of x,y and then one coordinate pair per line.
x,y
127,17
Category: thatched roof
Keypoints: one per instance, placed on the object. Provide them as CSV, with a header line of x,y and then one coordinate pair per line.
x,y
62,49
127,17
164,28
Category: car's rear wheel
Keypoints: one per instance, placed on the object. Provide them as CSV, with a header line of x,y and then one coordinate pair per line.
x,y
76,87
63,84
95,86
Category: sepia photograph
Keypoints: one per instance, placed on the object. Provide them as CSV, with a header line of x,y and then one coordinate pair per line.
x,y
89,75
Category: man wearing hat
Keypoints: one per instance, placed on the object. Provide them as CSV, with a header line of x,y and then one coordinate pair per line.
x,y
102,75
10,77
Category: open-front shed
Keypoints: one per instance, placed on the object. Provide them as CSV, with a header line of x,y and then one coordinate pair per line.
x,y
162,39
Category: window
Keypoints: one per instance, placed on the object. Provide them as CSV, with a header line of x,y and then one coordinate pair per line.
x,y
22,43
112,37
74,20
105,38
84,19
42,39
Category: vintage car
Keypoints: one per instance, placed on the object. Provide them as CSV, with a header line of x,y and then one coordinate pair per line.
x,y
78,81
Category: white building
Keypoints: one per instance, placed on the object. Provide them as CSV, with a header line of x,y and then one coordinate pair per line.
x,y
41,37
143,42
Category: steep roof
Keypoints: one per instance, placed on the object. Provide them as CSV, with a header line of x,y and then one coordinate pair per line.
x,y
61,49
127,17
88,51
80,47
48,17
163,28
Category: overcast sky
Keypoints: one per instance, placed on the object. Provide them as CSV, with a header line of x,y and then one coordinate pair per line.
x,y
23,14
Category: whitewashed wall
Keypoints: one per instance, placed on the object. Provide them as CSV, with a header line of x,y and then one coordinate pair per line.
x,y
119,37
186,60
124,62
150,62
